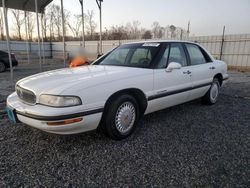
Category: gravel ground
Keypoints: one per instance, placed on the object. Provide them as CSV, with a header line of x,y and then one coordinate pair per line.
x,y
190,145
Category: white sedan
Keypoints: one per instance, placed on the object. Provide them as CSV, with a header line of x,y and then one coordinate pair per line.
x,y
118,88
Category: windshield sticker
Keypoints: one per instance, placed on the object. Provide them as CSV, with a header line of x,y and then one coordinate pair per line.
x,y
151,44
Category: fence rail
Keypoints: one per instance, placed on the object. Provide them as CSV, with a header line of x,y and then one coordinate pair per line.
x,y
235,49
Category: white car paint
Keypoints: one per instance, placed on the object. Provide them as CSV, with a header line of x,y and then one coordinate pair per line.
x,y
94,84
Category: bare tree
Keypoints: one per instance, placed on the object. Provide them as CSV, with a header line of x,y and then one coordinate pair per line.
x,y
76,25
67,16
155,29
161,32
133,29
172,30
19,20
167,32
118,33
147,35
30,24
50,14
129,30
57,19
90,23
44,25
53,21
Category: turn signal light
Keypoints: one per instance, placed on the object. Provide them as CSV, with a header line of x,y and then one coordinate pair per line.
x,y
57,123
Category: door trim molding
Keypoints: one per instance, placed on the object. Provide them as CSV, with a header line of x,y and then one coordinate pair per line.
x,y
168,93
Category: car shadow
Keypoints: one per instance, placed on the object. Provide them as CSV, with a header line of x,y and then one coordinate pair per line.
x,y
148,124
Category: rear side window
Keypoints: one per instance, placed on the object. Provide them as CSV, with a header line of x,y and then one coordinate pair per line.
x,y
196,55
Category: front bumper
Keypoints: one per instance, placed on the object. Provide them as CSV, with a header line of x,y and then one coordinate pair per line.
x,y
38,116
225,79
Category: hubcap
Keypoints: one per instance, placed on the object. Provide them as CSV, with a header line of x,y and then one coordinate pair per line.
x,y
125,117
214,92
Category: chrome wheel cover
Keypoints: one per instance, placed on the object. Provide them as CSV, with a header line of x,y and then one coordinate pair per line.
x,y
214,92
125,117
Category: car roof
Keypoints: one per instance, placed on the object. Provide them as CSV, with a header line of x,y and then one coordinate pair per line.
x,y
159,41
170,41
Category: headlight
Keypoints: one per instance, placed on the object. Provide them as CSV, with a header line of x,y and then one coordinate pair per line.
x,y
59,101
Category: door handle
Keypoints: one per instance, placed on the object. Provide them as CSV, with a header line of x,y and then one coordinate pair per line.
x,y
187,72
212,67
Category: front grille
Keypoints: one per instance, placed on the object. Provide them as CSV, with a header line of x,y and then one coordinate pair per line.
x,y
26,95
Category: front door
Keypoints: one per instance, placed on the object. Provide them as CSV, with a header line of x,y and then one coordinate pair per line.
x,y
171,88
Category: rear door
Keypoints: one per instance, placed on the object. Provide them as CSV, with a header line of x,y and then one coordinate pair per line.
x,y
170,88
202,70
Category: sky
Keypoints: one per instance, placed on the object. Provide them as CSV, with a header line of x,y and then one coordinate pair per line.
x,y
207,17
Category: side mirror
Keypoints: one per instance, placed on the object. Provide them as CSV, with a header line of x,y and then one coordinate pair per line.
x,y
172,66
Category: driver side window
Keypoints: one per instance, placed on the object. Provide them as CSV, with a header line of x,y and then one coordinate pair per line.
x,y
173,53
177,54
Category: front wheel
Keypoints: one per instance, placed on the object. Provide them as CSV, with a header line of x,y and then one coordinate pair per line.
x,y
122,116
212,95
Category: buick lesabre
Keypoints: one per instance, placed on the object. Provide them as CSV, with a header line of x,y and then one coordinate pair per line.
x,y
117,89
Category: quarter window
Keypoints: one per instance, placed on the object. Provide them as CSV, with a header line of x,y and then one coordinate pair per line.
x,y
196,55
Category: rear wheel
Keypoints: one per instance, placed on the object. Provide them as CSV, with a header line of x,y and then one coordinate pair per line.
x,y
2,67
212,95
122,116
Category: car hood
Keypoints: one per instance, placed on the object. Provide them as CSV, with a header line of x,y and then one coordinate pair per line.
x,y
56,81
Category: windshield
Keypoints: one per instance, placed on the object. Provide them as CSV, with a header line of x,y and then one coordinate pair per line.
x,y
131,55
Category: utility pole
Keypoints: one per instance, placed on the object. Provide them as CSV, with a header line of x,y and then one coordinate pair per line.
x,y
99,4
83,39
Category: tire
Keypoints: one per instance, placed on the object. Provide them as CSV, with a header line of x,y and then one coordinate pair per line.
x,y
212,95
121,117
2,67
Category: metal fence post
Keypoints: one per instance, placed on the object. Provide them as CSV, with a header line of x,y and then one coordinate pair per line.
x,y
27,37
7,39
222,42
43,30
99,4
63,32
83,40
38,36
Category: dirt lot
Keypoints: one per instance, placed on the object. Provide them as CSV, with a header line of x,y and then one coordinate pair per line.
x,y
190,145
